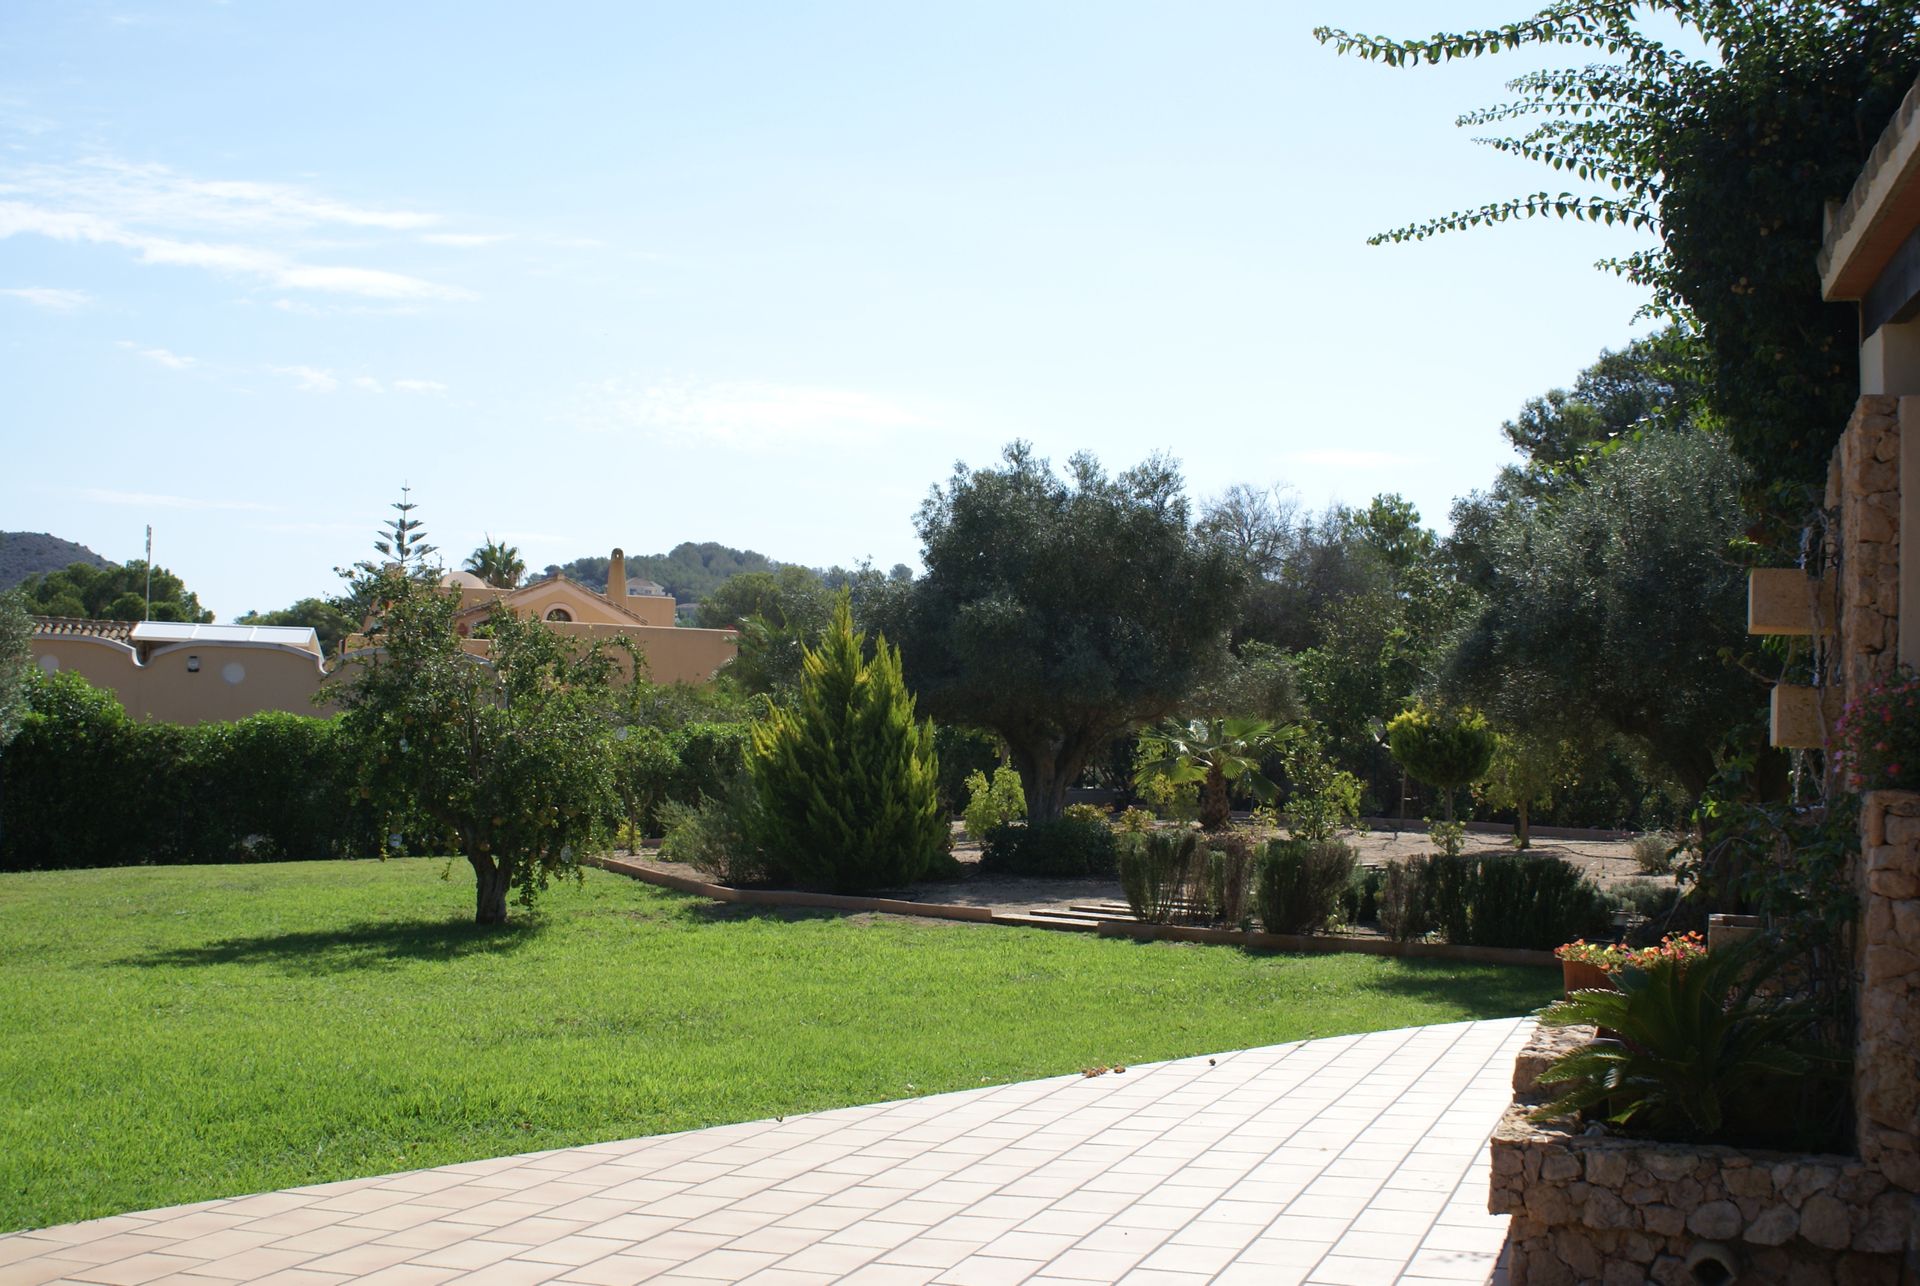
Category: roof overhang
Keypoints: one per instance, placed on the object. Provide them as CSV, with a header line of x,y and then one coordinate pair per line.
x,y
1867,232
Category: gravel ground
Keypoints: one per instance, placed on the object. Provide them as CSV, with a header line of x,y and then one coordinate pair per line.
x,y
1606,861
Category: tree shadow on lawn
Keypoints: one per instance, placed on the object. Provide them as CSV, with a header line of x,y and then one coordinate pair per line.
x,y
1482,990
370,945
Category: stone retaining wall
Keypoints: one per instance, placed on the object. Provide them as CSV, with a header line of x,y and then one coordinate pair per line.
x,y
1886,1075
1596,1208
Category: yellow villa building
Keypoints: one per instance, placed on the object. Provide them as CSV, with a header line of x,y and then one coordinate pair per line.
x,y
168,672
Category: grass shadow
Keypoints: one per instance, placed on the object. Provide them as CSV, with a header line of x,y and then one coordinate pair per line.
x,y
728,912
371,945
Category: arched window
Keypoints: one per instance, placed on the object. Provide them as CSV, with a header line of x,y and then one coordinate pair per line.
x,y
559,614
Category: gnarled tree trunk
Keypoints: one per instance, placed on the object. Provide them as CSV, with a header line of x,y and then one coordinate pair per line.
x,y
491,880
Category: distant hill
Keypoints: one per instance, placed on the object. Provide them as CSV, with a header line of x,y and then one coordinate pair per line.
x,y
688,571
29,553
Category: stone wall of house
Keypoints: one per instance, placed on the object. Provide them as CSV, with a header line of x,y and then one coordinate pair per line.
x,y
1886,1076
1863,492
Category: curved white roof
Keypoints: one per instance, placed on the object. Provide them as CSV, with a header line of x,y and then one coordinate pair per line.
x,y
299,636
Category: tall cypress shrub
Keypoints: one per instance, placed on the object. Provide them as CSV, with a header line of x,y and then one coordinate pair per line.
x,y
846,783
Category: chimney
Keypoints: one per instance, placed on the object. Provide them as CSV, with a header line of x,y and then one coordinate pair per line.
x,y
617,578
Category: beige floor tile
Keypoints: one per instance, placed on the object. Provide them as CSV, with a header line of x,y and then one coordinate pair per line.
x,y
931,1252
980,1271
251,1265
823,1258
467,1255
512,1272
1452,1265
619,1270
1336,1158
727,1265
1337,1270
573,1251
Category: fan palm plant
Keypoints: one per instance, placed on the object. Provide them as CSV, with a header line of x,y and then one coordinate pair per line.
x,y
497,563
1218,753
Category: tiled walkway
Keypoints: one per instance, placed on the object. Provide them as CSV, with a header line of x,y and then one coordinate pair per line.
x,y
1353,1160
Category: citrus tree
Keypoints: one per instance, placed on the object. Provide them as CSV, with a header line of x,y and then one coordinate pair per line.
x,y
511,755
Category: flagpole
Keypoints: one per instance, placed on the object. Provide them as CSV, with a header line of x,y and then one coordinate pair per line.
x,y
149,571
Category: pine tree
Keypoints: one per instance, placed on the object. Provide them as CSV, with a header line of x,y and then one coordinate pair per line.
x,y
845,779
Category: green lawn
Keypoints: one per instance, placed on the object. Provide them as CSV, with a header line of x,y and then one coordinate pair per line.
x,y
176,1034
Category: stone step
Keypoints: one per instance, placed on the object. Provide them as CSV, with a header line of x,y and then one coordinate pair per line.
x,y
1036,920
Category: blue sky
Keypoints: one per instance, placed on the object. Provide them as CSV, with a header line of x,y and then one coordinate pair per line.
x,y
597,274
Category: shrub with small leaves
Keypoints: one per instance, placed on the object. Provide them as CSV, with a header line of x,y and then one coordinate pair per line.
x,y
1448,837
714,838
1155,873
991,803
1134,821
1324,798
1228,875
1360,903
1402,899
1654,853
1084,813
1301,882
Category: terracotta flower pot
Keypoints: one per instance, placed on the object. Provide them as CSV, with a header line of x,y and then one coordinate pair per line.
x,y
1578,975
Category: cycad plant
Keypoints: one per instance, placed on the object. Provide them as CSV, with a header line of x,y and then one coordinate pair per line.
x,y
1702,1050
845,779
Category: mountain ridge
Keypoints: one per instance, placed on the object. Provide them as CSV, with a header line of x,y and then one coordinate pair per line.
x,y
32,553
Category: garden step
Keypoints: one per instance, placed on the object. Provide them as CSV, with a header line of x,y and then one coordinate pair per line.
x,y
1041,919
1103,910
1075,914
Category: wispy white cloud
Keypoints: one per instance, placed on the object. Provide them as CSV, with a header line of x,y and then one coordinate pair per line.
x,y
50,297
368,384
155,500
163,357
240,228
464,240
748,414
420,386
309,379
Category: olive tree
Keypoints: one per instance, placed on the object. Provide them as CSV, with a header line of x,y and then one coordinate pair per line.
x,y
1610,613
1061,611
510,754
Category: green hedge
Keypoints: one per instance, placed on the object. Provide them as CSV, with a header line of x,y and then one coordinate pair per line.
x,y
1494,901
1299,883
83,785
1062,849
684,766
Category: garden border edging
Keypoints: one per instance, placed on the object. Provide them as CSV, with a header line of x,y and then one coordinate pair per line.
x,y
1249,938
